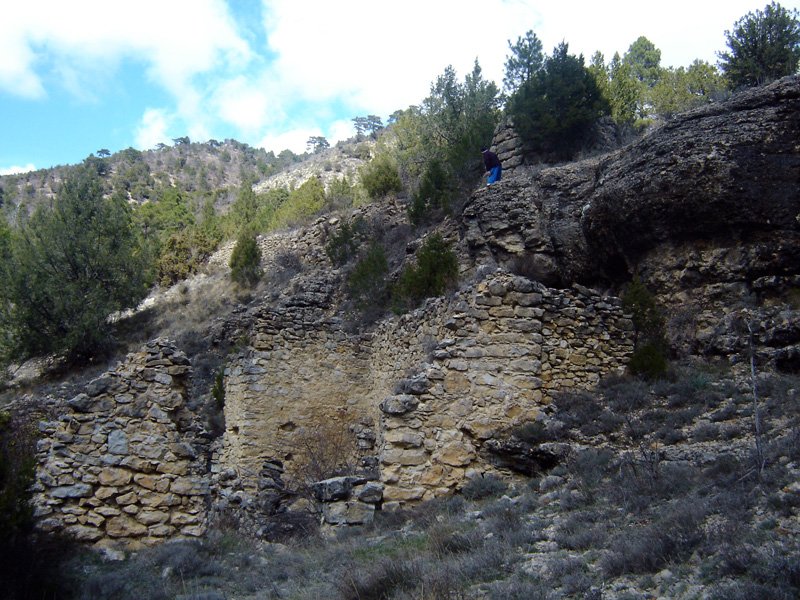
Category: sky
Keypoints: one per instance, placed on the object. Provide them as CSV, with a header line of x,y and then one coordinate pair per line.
x,y
80,76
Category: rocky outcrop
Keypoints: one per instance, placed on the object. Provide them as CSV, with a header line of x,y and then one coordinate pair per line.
x,y
126,460
705,209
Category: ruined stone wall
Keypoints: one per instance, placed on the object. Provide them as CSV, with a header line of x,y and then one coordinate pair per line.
x,y
431,385
422,395
496,354
302,375
508,146
125,461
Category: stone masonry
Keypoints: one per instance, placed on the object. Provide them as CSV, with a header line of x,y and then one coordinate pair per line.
x,y
421,396
495,355
508,146
126,462
430,387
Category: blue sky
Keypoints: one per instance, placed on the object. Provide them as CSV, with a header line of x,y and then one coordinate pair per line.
x,y
78,76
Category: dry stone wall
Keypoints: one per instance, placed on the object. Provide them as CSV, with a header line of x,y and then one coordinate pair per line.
x,y
496,354
126,460
129,462
429,387
508,146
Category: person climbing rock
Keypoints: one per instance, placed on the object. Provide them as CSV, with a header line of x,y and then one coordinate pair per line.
x,y
494,168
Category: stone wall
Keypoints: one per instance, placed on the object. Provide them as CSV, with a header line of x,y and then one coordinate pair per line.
x,y
302,374
421,396
430,387
508,146
126,461
495,355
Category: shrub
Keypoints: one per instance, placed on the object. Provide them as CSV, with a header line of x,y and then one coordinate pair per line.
x,y
705,432
300,206
176,261
647,549
649,361
480,488
344,242
367,281
381,176
515,589
433,193
378,581
649,357
340,193
533,433
444,541
436,268
320,451
246,259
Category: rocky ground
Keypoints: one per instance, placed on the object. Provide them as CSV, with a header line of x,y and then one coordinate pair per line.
x,y
665,491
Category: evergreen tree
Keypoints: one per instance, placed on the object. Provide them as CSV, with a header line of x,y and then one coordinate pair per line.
x,y
459,118
245,207
554,111
436,268
524,62
681,89
246,259
317,143
71,266
763,46
645,61
380,176
367,125
624,93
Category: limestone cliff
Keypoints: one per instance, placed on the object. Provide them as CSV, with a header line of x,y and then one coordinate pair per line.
x,y
705,209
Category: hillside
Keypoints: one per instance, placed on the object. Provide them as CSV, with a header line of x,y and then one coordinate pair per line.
x,y
198,170
284,441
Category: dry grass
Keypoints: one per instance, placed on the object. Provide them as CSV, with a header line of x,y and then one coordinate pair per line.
x,y
621,513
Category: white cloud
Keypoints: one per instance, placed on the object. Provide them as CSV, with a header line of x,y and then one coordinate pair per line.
x,y
16,75
294,140
244,103
311,66
383,56
82,40
340,130
685,31
15,170
153,128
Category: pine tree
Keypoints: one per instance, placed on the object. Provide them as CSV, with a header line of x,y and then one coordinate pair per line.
x,y
70,267
763,46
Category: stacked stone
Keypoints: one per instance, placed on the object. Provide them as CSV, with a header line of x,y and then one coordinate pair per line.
x,y
271,486
125,463
438,381
303,371
508,146
348,500
507,346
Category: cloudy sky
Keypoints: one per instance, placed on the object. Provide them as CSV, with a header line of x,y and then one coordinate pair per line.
x,y
82,75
